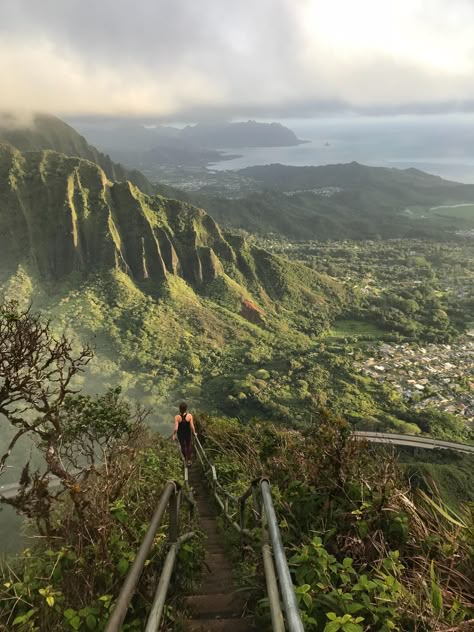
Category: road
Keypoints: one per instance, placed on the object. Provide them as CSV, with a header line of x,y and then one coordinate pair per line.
x,y
413,441
8,491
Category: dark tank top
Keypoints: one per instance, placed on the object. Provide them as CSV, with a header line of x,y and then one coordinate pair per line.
x,y
184,428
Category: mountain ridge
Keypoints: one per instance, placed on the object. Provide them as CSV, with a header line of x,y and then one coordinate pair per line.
x,y
44,131
241,134
341,201
63,216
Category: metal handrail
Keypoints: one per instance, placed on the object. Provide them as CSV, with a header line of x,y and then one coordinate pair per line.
x,y
221,495
154,618
273,552
171,495
290,604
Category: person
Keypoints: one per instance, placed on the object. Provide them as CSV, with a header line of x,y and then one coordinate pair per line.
x,y
183,427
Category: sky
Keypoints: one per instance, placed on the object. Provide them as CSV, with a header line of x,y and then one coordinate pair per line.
x,y
202,59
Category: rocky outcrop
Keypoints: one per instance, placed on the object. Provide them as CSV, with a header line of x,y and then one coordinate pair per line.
x,y
62,219
252,312
62,215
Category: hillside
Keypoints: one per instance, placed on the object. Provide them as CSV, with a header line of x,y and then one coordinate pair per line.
x,y
397,186
172,302
178,308
369,544
61,215
244,134
342,201
49,132
150,146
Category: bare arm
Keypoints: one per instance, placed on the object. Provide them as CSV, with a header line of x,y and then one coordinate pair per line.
x,y
191,421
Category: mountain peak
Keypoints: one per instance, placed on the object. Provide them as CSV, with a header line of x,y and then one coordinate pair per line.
x,y
37,132
63,219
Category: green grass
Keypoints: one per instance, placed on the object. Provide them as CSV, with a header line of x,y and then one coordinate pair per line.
x,y
461,212
349,328
450,473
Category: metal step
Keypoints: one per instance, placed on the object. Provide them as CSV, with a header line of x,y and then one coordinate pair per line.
x,y
217,605
218,625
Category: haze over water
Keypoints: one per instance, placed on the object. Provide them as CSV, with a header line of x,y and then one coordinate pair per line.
x,y
439,144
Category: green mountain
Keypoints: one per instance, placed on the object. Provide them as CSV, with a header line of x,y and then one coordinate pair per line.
x,y
354,176
62,215
347,201
49,132
171,301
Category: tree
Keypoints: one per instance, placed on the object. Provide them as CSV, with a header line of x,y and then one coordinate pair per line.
x,y
76,434
36,372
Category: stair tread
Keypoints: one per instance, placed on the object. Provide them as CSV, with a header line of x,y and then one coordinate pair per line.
x,y
218,579
218,625
217,603
215,589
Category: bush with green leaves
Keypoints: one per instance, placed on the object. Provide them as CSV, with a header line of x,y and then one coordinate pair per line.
x,y
71,582
367,550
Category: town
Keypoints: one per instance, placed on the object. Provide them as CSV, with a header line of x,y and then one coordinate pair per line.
x,y
432,376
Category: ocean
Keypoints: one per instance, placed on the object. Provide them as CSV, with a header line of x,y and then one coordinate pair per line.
x,y
439,144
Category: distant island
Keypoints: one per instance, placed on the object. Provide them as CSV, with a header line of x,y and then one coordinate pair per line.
x,y
147,145
245,134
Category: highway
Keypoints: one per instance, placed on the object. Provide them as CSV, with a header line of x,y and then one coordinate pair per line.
x,y
413,441
9,491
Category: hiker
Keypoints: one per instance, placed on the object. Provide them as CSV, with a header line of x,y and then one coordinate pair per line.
x,y
183,427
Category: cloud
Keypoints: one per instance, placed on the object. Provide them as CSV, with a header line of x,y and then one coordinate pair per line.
x,y
184,59
16,119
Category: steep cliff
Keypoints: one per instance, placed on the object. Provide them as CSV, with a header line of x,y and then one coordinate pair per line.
x,y
41,131
61,216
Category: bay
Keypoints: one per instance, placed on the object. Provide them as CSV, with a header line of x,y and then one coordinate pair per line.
x,y
439,144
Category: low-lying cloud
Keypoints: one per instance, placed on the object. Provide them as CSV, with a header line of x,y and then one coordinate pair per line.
x,y
184,59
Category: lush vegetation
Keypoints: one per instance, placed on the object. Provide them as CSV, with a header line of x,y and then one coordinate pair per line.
x,y
420,289
69,579
48,132
349,201
112,471
303,352
272,330
369,547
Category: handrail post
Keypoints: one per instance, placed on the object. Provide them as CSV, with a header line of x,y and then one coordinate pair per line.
x,y
174,515
242,523
256,506
278,625
154,618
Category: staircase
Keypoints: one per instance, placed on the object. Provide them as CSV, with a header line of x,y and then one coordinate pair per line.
x,y
215,606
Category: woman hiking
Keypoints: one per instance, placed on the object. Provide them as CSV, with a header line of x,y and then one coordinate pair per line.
x,y
183,427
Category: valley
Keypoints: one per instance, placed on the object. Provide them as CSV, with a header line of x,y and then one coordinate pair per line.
x,y
287,343
258,215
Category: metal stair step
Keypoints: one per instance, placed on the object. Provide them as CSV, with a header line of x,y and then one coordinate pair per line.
x,y
217,604
215,587
218,625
